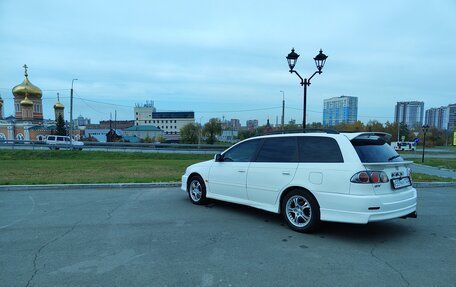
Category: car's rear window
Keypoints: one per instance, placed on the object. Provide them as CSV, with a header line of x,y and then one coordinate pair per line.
x,y
375,150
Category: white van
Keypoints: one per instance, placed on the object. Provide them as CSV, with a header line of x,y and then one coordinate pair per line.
x,y
403,145
56,142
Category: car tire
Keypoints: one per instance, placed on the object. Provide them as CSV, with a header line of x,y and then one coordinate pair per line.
x,y
196,190
301,211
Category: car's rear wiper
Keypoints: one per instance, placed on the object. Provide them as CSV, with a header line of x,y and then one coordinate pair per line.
x,y
393,157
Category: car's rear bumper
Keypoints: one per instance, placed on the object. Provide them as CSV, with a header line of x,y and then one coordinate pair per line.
x,y
184,183
364,209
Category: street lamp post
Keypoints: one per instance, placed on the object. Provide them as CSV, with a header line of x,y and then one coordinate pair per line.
x,y
425,129
71,113
320,60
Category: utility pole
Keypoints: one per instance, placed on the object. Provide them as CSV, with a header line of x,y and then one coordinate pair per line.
x,y
283,109
71,113
398,131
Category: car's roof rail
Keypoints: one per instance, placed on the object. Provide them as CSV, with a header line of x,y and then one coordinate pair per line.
x,y
277,132
328,131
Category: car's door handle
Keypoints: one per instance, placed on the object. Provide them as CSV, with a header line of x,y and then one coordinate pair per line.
x,y
285,173
241,171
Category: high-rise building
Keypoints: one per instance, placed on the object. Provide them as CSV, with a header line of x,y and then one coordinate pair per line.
x,y
452,117
81,121
1,108
252,124
410,113
235,124
337,110
232,124
437,117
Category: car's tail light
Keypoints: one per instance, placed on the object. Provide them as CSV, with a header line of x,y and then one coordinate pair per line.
x,y
369,177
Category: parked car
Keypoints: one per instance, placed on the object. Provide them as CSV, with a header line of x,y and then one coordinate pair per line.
x,y
309,177
57,142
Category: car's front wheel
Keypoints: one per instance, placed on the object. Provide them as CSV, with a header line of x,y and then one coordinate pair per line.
x,y
196,190
301,211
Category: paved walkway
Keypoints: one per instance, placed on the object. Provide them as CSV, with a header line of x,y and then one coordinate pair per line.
x,y
433,171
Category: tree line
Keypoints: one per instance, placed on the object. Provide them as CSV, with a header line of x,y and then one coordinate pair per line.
x,y
194,133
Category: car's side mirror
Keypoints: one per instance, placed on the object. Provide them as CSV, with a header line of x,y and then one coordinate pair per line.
x,y
218,157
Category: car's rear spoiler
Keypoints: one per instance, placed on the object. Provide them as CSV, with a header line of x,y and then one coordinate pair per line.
x,y
387,163
368,135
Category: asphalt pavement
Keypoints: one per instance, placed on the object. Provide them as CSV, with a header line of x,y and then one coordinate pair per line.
x,y
156,237
426,169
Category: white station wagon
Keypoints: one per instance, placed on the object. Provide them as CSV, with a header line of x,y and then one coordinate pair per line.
x,y
309,177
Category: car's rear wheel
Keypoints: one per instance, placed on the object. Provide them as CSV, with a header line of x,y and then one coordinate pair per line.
x,y
196,190
301,211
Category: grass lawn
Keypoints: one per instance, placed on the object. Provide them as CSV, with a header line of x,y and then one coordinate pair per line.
x,y
421,177
61,166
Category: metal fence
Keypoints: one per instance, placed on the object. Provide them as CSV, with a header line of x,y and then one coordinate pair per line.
x,y
117,146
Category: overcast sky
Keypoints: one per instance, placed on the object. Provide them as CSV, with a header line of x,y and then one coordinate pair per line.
x,y
227,58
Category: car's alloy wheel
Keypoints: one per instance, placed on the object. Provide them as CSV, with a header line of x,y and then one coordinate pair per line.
x,y
298,211
197,190
301,211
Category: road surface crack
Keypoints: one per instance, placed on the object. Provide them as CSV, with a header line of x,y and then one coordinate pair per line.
x,y
35,268
389,265
111,212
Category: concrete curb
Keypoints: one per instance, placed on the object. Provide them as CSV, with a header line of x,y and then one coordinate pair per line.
x,y
87,186
152,185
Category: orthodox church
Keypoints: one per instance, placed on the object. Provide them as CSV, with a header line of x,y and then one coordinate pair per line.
x,y
27,122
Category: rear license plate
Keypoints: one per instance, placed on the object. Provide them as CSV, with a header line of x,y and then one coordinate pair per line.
x,y
401,182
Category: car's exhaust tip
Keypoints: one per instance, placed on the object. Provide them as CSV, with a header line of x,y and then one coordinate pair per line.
x,y
411,215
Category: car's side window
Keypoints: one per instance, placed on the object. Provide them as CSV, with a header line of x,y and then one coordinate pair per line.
x,y
281,149
319,149
243,152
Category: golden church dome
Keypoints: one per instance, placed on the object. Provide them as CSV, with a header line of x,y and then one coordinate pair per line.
x,y
26,102
32,90
59,105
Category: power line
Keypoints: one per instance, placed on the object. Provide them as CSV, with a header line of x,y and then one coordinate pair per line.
x,y
225,111
239,111
92,107
104,103
319,112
